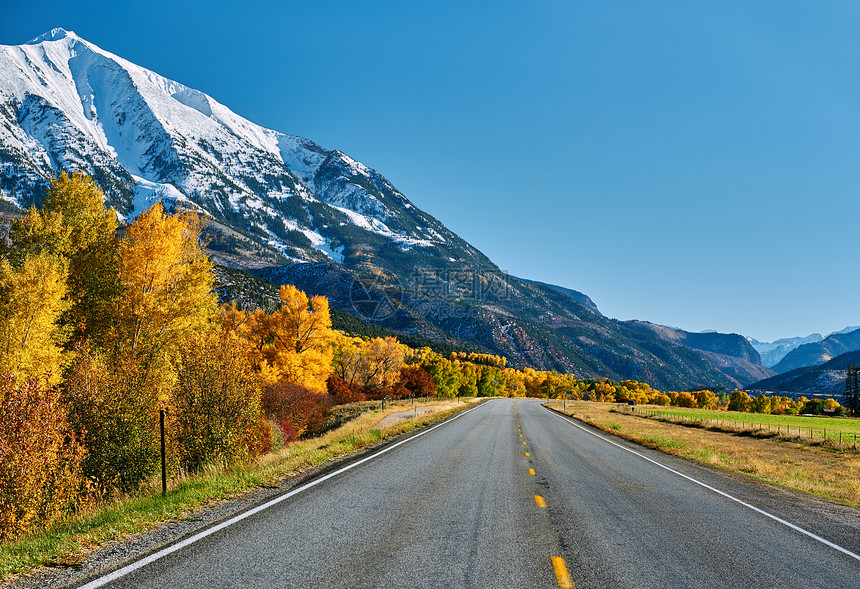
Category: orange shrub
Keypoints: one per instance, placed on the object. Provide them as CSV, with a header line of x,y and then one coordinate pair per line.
x,y
295,409
40,458
342,392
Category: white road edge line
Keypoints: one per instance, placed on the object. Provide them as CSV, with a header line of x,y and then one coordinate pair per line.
x,y
710,488
119,573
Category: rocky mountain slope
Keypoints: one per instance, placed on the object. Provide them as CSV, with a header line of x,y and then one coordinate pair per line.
x,y
293,211
529,323
731,353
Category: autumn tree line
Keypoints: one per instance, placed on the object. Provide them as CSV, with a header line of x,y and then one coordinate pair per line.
x,y
104,324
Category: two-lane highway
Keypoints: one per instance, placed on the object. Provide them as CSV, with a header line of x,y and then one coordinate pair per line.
x,y
509,494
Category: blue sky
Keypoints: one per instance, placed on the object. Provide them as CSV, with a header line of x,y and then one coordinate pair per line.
x,y
718,191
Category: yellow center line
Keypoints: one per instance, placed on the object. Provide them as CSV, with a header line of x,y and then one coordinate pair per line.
x,y
527,454
540,501
531,471
561,574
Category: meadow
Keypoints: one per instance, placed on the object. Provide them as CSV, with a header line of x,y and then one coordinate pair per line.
x,y
844,430
820,467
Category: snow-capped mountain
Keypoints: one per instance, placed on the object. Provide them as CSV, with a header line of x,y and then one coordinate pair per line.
x,y
274,199
66,104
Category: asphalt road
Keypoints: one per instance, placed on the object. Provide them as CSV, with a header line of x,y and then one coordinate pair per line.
x,y
511,495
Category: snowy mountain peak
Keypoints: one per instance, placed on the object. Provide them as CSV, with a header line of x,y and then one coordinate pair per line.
x,y
68,105
57,34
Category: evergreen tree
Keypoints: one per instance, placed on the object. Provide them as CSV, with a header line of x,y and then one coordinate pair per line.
x,y
851,396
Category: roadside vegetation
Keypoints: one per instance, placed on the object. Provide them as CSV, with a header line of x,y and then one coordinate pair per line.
x,y
69,539
823,468
105,327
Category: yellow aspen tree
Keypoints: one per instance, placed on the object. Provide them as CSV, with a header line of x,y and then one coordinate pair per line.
x,y
384,360
345,357
166,287
250,329
73,223
368,364
31,303
295,341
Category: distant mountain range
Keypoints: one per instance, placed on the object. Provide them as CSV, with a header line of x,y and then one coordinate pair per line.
x,y
819,352
291,211
822,379
773,352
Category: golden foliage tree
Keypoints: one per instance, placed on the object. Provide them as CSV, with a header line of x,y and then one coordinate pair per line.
x,y
74,224
445,374
370,365
114,391
31,303
291,344
166,288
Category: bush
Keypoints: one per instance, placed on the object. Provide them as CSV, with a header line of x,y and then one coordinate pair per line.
x,y
216,403
40,458
814,407
109,401
297,411
416,381
341,392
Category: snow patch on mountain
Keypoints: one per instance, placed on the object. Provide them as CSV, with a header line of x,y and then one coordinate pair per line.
x,y
147,193
355,168
376,226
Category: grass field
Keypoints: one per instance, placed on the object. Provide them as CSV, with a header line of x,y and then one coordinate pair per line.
x,y
814,428
822,468
66,543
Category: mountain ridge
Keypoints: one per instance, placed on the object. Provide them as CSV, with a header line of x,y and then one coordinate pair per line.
x,y
772,352
289,209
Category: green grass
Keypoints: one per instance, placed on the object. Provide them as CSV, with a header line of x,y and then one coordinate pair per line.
x,y
66,543
790,424
662,442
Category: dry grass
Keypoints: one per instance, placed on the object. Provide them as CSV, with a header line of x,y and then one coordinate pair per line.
x,y
824,469
68,542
